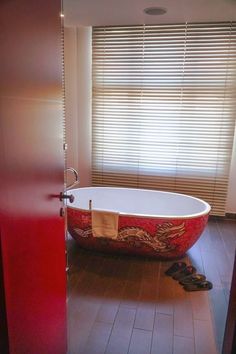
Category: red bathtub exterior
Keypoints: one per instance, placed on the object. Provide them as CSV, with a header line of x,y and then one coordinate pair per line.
x,y
163,238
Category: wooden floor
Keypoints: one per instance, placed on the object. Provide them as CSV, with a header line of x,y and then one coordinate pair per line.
x,y
120,304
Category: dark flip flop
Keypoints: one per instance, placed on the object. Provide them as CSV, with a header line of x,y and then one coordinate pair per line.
x,y
192,279
204,285
184,272
177,266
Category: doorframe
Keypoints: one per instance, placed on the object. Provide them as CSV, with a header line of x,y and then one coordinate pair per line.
x,y
4,342
229,343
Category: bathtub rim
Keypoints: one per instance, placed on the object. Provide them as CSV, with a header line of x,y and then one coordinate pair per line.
x,y
150,216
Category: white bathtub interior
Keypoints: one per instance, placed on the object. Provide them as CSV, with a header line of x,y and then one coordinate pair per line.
x,y
138,202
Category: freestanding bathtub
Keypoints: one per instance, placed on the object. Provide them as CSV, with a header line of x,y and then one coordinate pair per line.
x,y
151,223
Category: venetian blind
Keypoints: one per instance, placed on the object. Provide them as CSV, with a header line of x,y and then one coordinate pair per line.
x,y
164,108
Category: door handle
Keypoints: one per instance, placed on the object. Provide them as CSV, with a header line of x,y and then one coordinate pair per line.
x,y
67,196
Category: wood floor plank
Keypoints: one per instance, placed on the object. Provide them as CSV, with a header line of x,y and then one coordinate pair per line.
x,y
140,342
226,288
121,332
183,315
204,338
215,241
145,315
114,291
97,284
150,282
219,312
131,292
195,258
166,291
85,303
211,269
80,326
162,341
222,261
223,265
108,310
200,305
78,274
183,345
90,276
227,230
98,338
148,296
204,242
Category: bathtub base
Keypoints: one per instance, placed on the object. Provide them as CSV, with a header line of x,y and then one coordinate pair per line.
x,y
150,237
115,248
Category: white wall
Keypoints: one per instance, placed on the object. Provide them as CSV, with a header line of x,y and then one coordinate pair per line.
x,y
231,200
78,86
78,59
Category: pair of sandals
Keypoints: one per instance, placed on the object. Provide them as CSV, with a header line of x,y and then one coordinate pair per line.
x,y
188,278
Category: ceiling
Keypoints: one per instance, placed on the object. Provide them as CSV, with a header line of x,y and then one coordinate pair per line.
x,y
128,12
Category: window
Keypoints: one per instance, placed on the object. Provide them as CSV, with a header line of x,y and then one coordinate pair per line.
x,y
164,108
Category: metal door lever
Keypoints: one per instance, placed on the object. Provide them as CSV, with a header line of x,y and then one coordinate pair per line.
x,y
67,196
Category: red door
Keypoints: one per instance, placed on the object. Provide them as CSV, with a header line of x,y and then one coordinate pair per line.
x,y
32,165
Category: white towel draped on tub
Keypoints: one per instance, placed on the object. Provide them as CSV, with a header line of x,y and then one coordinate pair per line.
x,y
105,223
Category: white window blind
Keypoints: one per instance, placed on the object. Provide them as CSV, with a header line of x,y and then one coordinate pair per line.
x,y
164,108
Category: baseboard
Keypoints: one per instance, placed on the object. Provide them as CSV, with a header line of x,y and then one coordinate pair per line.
x,y
230,216
227,216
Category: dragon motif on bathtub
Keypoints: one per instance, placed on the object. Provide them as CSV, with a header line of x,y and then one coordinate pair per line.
x,y
138,236
159,242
